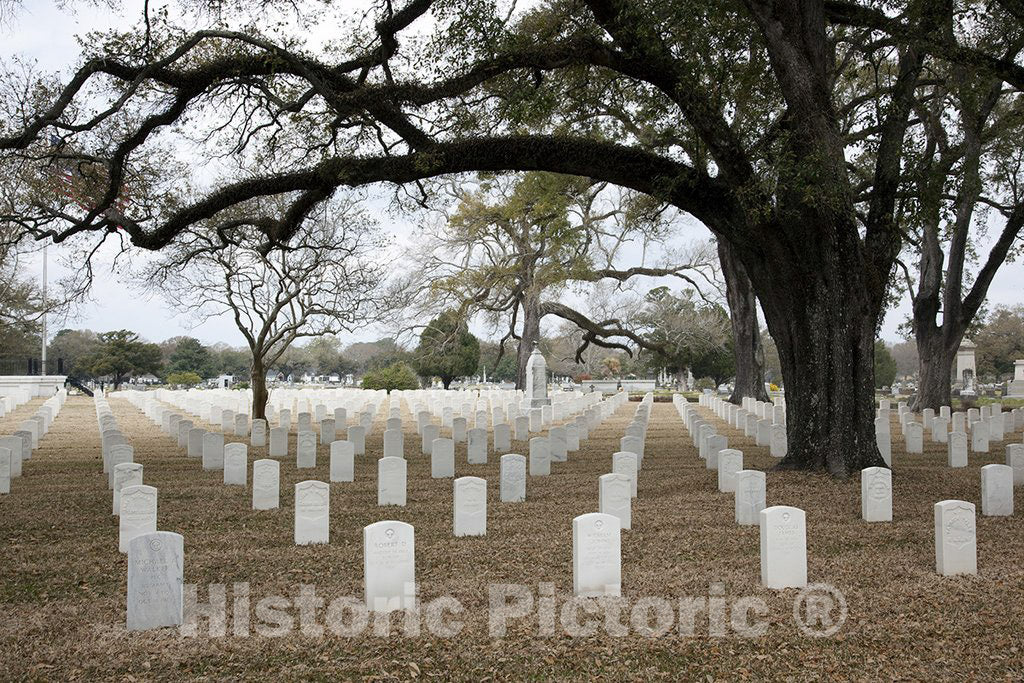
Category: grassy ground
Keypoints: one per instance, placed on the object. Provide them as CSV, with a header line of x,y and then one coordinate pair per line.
x,y
62,580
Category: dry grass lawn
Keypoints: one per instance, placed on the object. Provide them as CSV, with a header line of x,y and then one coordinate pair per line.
x,y
62,580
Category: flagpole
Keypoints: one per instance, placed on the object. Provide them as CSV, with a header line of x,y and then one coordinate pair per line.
x,y
43,353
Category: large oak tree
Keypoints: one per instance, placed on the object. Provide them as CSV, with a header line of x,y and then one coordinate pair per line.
x,y
794,115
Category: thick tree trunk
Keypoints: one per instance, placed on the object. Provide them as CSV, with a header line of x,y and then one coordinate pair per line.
x,y
258,382
530,334
824,328
746,334
446,381
936,355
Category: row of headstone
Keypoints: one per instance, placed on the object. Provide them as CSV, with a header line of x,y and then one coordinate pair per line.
x,y
963,432
134,503
762,421
391,469
156,566
783,529
14,397
749,487
16,448
209,447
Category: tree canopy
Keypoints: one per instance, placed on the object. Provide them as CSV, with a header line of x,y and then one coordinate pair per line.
x,y
1000,342
398,376
784,127
121,354
885,366
320,280
190,355
447,349
687,333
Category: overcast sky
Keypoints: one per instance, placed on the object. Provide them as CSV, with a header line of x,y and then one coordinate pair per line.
x,y
43,33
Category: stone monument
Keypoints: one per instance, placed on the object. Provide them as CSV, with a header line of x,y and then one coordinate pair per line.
x,y
966,369
537,379
1015,389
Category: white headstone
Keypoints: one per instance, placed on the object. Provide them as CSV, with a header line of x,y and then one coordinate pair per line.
x,y
266,484
357,437
394,444
470,507
120,453
213,451
750,497
522,428
16,446
328,434
979,437
779,445
278,442
430,433
138,513
783,547
513,478
876,494
884,442
459,428
391,481
1015,459
5,470
997,491
502,438
342,461
914,437
957,449
615,497
236,464
730,461
184,427
633,444
389,566
312,512
540,457
156,576
227,421
625,463
476,451
956,549
125,474
558,444
258,433
572,438
195,442
442,459
596,555
305,449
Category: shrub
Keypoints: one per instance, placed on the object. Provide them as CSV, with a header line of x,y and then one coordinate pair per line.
x,y
396,376
705,383
184,379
